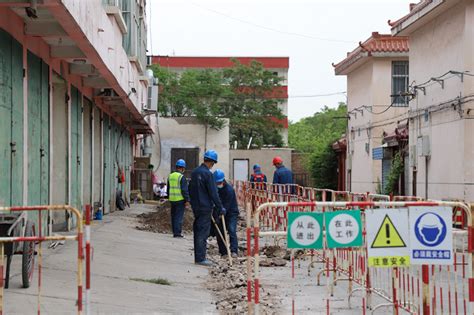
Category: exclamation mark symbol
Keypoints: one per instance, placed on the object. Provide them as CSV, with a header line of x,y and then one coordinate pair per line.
x,y
387,233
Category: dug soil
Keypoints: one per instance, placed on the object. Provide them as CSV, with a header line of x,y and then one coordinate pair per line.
x,y
159,221
228,283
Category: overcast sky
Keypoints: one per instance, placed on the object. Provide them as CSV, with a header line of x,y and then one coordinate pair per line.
x,y
313,34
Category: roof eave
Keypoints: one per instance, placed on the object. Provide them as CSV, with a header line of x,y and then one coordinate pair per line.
x,y
391,54
414,21
347,66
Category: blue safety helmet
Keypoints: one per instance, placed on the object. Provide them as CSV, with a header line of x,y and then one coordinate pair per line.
x,y
256,167
219,176
211,155
181,163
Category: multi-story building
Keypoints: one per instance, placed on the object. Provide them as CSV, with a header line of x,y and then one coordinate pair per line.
x,y
72,90
377,77
441,120
277,65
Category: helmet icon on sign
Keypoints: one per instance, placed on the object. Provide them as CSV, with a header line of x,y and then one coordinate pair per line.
x,y
430,229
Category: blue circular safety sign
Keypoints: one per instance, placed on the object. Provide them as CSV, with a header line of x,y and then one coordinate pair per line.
x,y
430,229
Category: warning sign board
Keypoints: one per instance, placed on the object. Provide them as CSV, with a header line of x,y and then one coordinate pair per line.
x,y
343,229
388,237
305,230
431,235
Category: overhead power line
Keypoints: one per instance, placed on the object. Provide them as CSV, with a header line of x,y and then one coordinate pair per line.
x,y
316,95
271,29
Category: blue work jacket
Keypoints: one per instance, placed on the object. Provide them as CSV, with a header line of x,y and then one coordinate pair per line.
x,y
228,198
203,190
283,176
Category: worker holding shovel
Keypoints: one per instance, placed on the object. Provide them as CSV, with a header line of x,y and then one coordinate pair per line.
x,y
229,202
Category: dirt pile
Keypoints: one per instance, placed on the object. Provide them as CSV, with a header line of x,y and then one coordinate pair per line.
x,y
229,284
159,221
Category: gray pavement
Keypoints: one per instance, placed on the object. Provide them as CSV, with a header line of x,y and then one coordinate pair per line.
x,y
120,253
308,296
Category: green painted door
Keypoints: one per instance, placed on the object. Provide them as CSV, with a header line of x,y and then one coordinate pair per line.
x,y
38,134
114,156
127,162
5,118
76,148
107,164
38,131
87,152
44,133
34,130
11,121
17,153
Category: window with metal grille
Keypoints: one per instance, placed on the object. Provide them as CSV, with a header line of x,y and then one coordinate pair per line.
x,y
399,83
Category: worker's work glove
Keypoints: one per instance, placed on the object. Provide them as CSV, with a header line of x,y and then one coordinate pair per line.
x,y
223,211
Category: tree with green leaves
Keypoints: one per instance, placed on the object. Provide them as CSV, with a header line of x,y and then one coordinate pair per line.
x,y
315,135
253,105
244,94
198,93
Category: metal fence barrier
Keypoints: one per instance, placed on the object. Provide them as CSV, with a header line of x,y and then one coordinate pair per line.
x,y
42,238
418,289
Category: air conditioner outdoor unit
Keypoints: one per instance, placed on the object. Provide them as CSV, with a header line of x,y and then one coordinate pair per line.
x,y
147,148
152,102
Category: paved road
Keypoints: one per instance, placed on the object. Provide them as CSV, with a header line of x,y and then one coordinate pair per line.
x,y
120,252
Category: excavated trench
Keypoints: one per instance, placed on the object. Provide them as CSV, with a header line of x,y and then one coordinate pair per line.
x,y
228,283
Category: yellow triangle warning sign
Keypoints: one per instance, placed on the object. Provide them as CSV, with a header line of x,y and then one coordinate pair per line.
x,y
387,235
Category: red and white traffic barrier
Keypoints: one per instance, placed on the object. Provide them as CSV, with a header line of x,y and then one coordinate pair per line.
x,y
87,233
40,238
403,289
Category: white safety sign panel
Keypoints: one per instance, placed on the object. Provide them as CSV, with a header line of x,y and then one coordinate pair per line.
x,y
388,237
431,235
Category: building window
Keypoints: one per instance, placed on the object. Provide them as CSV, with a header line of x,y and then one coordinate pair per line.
x,y
399,83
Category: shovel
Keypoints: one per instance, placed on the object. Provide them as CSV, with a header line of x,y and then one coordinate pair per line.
x,y
226,240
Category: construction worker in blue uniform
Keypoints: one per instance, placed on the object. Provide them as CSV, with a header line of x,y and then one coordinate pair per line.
x,y
283,176
178,195
204,198
229,201
258,179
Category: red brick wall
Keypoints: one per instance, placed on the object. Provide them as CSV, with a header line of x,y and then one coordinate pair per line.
x,y
300,168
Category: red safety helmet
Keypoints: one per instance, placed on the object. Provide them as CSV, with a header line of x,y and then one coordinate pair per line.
x,y
277,160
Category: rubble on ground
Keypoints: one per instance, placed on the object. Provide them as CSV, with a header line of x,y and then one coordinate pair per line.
x,y
273,262
276,251
229,284
159,221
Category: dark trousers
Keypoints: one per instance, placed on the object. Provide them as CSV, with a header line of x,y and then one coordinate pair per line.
x,y
177,215
231,226
201,229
